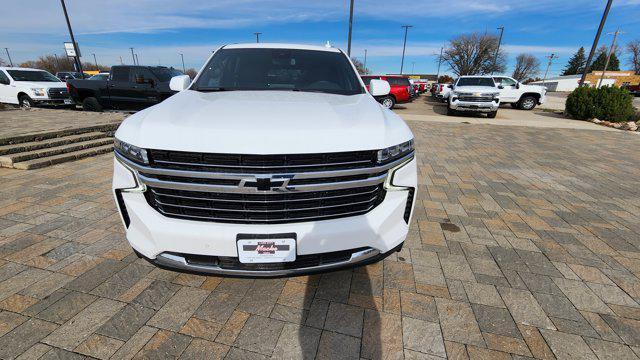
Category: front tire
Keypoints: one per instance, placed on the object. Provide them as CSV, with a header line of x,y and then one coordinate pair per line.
x,y
527,103
25,102
91,104
514,105
451,112
388,102
492,115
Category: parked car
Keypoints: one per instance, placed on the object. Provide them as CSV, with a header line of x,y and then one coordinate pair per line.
x,y
100,76
401,89
478,94
69,75
30,87
383,98
633,89
275,161
128,87
519,95
443,91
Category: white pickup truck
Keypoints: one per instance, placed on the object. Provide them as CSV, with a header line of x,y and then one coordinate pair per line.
x,y
521,96
476,94
274,161
30,87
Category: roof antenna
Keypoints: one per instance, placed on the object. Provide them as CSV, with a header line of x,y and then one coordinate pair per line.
x,y
328,44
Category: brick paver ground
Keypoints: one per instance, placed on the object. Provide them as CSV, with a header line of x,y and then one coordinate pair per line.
x,y
14,121
525,243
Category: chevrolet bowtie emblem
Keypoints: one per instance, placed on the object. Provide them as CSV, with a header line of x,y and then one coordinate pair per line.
x,y
265,184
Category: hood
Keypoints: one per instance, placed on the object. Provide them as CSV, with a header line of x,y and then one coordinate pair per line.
x,y
476,89
41,84
264,122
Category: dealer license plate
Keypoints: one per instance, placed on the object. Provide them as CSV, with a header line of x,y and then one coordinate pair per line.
x,y
68,101
253,251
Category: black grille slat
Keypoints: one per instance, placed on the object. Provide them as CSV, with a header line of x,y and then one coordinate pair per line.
x,y
475,99
264,208
256,164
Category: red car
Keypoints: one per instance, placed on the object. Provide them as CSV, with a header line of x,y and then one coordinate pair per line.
x,y
401,90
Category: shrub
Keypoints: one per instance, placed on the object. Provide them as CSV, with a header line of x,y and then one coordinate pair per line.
x,y
606,103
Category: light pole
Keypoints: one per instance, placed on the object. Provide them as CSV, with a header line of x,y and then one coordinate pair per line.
x,y
133,56
606,63
406,29
57,62
183,68
550,57
495,58
350,28
365,59
413,66
257,34
137,61
95,61
9,56
595,42
439,63
73,40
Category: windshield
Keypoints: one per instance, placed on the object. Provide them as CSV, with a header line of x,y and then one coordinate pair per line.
x,y
279,69
26,75
475,81
165,74
99,77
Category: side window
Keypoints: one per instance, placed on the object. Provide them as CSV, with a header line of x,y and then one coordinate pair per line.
x,y
120,74
141,75
4,79
505,81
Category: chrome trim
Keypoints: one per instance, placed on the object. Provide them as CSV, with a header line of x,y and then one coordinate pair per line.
x,y
173,185
261,167
388,183
278,176
155,192
179,262
266,221
140,187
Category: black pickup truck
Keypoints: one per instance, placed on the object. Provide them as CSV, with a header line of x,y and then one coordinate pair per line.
x,y
128,87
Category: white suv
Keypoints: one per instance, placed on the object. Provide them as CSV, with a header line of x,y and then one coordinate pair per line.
x,y
519,95
478,94
30,87
275,161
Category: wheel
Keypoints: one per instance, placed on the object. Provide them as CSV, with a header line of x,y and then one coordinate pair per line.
x,y
451,112
527,103
25,102
388,102
91,104
492,114
514,105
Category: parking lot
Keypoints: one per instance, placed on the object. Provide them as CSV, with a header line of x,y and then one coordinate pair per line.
x,y
524,244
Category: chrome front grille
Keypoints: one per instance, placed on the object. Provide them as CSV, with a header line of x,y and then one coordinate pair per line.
x,y
475,98
262,189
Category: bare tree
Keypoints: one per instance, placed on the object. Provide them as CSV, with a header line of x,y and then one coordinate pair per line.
x,y
54,64
527,66
2,63
473,54
634,55
360,67
191,72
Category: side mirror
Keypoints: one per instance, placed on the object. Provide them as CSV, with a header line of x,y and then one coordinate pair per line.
x,y
517,85
379,87
450,86
181,82
500,87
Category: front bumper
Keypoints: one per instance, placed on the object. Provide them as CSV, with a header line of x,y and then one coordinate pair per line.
x,y
471,106
165,241
53,102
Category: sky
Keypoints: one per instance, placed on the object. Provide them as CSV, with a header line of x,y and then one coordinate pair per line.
x,y
159,30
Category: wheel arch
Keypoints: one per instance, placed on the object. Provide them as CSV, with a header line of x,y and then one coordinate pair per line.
x,y
535,95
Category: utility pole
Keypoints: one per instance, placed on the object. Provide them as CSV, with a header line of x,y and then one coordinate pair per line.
x,y
133,56
9,56
121,62
137,61
439,63
73,40
365,59
550,57
257,34
350,28
57,62
595,43
606,63
404,46
413,66
183,68
95,61
495,58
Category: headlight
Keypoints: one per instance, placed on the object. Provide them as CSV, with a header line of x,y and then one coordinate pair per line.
x,y
38,91
131,152
395,152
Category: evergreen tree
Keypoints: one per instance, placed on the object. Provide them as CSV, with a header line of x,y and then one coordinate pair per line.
x,y
601,59
576,63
